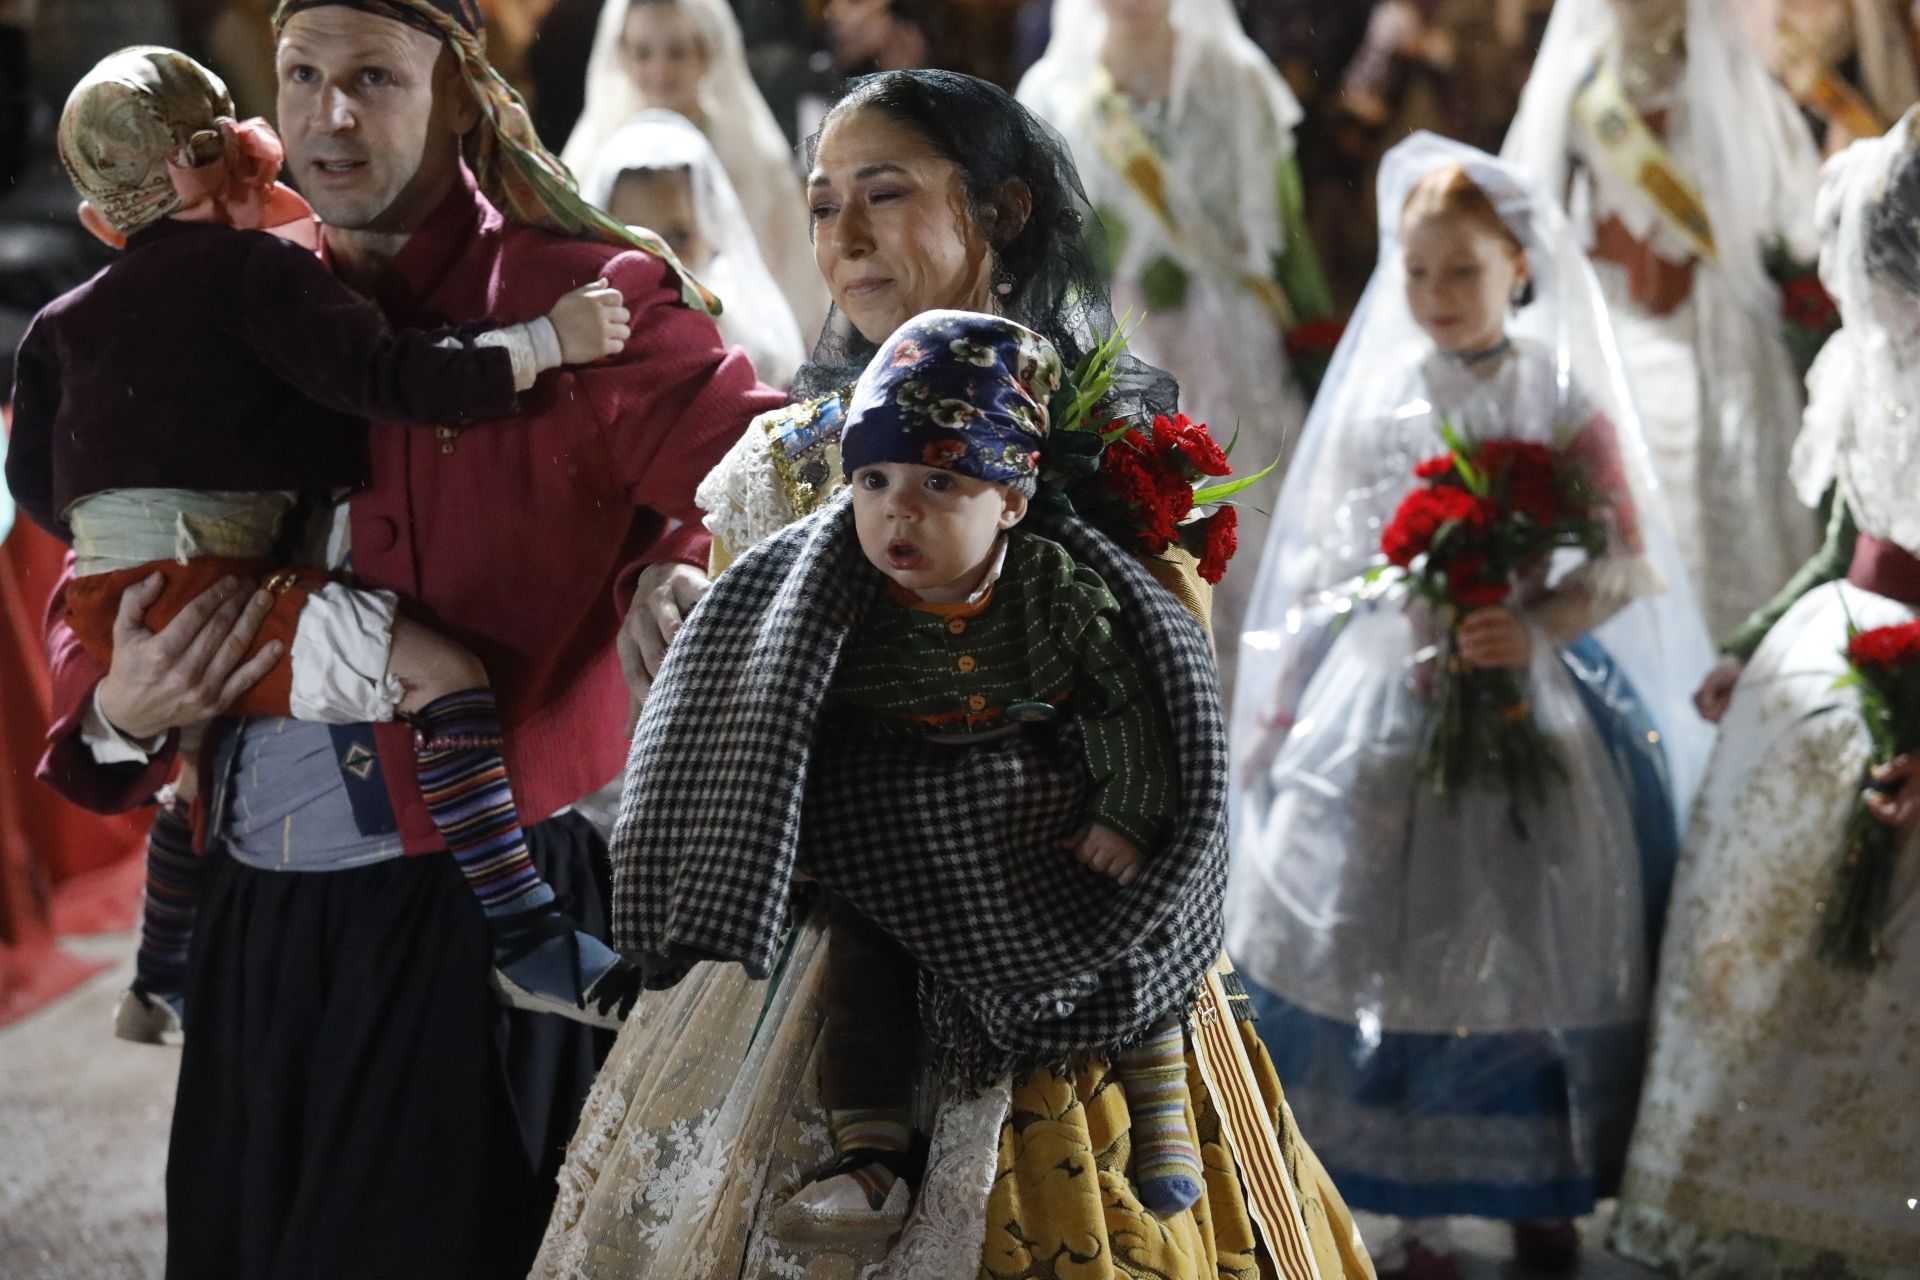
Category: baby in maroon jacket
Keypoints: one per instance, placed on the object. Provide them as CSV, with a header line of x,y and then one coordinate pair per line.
x,y
168,413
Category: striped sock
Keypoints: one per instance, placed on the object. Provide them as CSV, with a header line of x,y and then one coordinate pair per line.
x,y
1166,1164
871,1129
176,878
464,782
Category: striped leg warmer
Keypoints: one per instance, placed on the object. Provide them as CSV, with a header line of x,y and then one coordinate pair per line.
x,y
464,781
1166,1163
176,879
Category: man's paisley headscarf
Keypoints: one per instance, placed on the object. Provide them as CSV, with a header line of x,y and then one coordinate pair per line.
x,y
524,180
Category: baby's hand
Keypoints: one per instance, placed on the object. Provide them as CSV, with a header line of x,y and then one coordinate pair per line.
x,y
591,323
1105,850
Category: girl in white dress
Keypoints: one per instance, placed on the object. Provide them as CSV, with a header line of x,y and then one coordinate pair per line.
x,y
1685,167
658,171
1778,1137
687,56
1458,1005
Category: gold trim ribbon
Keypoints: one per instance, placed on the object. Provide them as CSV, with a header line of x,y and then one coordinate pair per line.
x,y
1636,156
1818,88
1126,146
1247,1126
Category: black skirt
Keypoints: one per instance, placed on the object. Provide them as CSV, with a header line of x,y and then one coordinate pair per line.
x,y
353,1103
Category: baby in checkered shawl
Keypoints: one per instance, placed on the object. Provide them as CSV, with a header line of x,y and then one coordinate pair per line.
x,y
999,705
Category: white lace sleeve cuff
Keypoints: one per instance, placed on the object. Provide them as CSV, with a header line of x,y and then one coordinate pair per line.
x,y
532,347
743,496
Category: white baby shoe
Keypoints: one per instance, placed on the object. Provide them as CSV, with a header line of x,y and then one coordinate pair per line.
x,y
149,1019
836,1207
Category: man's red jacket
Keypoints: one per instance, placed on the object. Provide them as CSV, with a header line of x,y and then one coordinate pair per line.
x,y
519,537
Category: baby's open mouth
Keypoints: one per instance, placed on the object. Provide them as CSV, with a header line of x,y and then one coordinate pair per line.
x,y
902,555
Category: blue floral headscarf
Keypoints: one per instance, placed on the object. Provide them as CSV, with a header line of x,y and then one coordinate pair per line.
x,y
956,390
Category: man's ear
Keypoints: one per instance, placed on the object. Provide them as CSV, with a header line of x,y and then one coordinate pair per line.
x,y
463,111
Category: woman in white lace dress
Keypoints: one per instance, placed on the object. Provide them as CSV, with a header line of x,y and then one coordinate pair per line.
x,y
686,56
707,1115
1183,133
1687,168
1778,1137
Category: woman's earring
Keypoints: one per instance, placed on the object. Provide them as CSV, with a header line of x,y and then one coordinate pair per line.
x,y
1003,282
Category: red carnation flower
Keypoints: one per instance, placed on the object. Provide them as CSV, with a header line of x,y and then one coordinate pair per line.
x,y
1434,468
1885,646
1193,442
1223,539
1468,584
1806,304
1315,337
1129,479
1175,495
1510,455
1421,515
1533,496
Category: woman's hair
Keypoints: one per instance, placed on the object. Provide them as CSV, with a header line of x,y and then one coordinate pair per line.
x,y
1892,248
1051,268
1449,191
995,143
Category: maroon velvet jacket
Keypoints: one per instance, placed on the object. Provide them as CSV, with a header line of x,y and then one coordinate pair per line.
x,y
210,358
523,541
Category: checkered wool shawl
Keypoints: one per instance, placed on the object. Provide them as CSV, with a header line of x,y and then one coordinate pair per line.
x,y
1026,957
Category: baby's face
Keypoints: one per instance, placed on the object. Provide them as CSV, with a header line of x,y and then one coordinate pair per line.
x,y
931,531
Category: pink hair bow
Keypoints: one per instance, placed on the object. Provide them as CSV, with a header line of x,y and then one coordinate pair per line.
x,y
240,187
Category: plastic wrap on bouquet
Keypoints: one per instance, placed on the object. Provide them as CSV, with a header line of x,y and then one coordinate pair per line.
x,y
1456,1006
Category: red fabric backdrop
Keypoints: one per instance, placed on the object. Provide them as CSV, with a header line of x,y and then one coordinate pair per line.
x,y
62,869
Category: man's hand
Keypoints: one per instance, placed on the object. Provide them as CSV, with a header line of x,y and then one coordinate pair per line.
x,y
191,669
662,598
1715,693
1101,848
1895,798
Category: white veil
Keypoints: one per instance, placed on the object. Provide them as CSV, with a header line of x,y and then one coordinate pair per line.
x,y
1212,54
1861,424
1370,424
1880,43
1751,154
754,314
742,129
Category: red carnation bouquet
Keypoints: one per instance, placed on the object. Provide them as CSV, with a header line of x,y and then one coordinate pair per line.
x,y
1483,513
1142,485
1883,665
